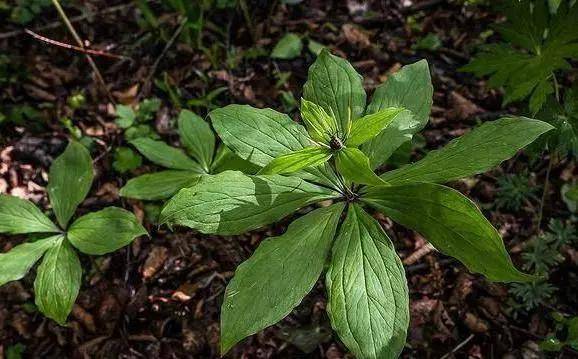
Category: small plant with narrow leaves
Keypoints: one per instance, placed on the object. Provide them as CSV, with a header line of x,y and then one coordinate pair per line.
x,y
58,277
541,256
206,157
514,191
333,158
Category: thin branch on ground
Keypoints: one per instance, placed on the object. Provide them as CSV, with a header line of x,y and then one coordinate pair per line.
x,y
81,44
75,48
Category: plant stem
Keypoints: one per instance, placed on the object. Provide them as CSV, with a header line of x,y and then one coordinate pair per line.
x,y
81,45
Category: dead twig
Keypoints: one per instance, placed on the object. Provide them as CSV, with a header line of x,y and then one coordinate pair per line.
x,y
418,254
81,44
459,346
75,48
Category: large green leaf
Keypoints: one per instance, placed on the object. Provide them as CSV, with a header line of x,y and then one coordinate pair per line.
x,y
58,281
69,181
320,125
478,151
258,135
198,137
159,185
104,231
17,262
164,155
21,216
298,160
409,88
334,84
233,203
354,166
368,296
369,126
278,275
451,222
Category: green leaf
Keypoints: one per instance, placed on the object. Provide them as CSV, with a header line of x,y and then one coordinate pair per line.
x,y
198,137
335,85
21,216
429,42
69,181
125,116
369,126
298,160
368,300
476,152
409,88
164,155
121,228
258,135
16,263
354,166
125,159
538,44
320,126
451,222
267,286
233,203
159,185
58,281
315,47
289,47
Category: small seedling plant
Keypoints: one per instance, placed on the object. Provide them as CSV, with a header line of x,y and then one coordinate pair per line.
x,y
332,159
202,157
58,277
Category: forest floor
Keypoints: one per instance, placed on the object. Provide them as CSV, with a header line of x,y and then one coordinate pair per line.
x,y
161,296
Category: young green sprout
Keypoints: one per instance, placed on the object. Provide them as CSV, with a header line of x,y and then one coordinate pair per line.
x,y
333,158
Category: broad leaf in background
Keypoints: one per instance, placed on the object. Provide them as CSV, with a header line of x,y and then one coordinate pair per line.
x,y
232,202
58,281
409,88
164,155
295,161
267,286
288,48
159,185
21,216
451,222
541,44
121,228
70,179
354,166
368,296
197,137
478,151
15,264
334,84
